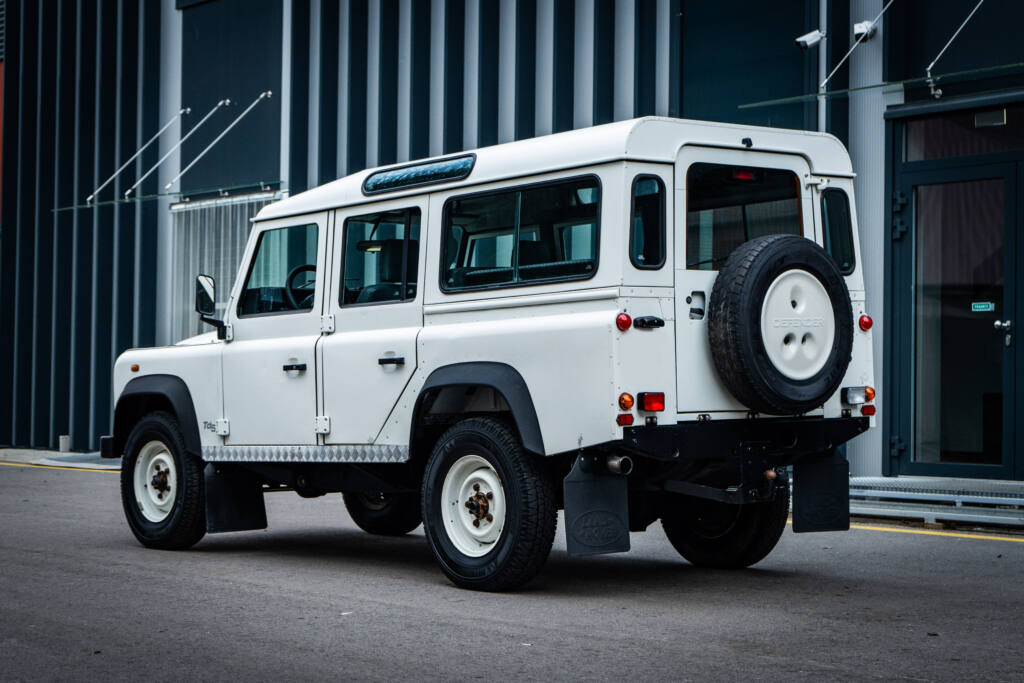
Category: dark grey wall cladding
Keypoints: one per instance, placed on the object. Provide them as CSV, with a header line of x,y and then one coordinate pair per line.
x,y
77,284
232,49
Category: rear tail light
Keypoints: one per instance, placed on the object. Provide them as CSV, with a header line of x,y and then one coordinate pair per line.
x,y
865,322
651,401
624,420
867,410
623,321
626,401
855,396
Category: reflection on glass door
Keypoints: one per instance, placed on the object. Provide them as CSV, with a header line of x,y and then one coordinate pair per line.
x,y
959,296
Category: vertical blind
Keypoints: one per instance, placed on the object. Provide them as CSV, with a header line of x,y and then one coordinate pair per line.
x,y
208,239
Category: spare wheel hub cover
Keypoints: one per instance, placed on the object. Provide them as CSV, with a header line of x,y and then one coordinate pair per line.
x,y
798,326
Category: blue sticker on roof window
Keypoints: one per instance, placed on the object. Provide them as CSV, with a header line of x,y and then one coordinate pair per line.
x,y
456,168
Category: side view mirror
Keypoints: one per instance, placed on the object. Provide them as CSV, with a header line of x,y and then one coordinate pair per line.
x,y
206,295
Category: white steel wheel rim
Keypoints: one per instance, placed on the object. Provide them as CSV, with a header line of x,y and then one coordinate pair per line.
x,y
155,481
472,492
798,325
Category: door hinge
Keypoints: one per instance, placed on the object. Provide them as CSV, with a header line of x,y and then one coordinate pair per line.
x,y
223,427
322,424
899,228
899,200
896,449
326,324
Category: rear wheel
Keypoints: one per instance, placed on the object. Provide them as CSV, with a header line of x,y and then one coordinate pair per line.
x,y
488,508
384,514
162,485
713,534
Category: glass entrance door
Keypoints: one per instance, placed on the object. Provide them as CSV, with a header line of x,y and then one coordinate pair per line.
x,y
962,255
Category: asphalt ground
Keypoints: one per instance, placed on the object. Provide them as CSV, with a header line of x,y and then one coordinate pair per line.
x,y
313,597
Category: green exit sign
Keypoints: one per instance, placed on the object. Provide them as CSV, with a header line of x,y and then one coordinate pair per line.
x,y
982,307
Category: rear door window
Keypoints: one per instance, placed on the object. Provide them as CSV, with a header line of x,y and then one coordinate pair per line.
x,y
521,236
729,205
647,223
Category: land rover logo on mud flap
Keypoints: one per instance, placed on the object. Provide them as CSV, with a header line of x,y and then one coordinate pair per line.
x,y
597,528
798,322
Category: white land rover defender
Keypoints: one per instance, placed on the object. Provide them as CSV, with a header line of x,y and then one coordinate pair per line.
x,y
651,319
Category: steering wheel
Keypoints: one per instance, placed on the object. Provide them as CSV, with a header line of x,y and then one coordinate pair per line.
x,y
293,292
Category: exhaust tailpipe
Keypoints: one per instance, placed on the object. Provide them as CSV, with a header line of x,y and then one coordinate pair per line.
x,y
620,464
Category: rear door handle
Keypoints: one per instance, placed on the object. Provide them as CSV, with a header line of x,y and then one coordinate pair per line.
x,y
298,367
391,360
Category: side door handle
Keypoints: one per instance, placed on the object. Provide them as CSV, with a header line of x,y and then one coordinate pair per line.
x,y
391,360
297,367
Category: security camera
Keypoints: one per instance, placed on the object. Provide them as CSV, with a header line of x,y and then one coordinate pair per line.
x,y
810,39
865,29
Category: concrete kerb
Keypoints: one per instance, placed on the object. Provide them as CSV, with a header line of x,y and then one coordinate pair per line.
x,y
87,461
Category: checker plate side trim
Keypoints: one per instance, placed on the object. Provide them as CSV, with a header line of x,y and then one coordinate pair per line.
x,y
346,453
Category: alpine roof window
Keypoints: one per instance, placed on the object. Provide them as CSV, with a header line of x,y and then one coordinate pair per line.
x,y
729,205
519,236
415,175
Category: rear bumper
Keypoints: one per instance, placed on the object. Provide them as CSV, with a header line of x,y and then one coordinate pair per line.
x,y
780,441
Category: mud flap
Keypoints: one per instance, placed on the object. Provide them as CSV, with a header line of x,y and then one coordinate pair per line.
x,y
596,509
821,495
234,500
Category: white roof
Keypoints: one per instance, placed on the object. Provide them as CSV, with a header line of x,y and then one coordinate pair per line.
x,y
650,138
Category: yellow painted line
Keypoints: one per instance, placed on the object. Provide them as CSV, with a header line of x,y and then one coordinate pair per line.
x,y
928,532
55,467
948,534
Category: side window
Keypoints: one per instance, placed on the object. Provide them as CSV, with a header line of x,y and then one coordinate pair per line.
x,y
381,255
518,236
282,275
728,205
838,229
647,223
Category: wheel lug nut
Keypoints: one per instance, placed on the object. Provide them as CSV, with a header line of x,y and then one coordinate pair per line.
x,y
476,487
469,504
490,518
489,495
476,522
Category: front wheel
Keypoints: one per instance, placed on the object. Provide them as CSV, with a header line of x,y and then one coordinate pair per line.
x,y
488,508
713,534
162,485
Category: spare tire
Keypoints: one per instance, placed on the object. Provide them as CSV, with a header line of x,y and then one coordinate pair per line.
x,y
780,324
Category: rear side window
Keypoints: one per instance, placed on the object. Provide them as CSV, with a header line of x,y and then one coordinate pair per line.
x,y
728,205
282,275
521,236
381,257
647,225
835,214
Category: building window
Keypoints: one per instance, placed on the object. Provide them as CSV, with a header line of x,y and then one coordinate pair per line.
x,y
381,257
519,236
282,275
838,229
729,205
647,224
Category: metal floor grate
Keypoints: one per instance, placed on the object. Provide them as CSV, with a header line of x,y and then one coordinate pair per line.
x,y
934,499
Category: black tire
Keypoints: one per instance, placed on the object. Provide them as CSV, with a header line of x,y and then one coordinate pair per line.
x,y
525,540
712,534
384,514
734,325
185,523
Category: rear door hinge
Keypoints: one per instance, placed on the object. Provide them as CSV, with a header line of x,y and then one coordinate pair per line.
x,y
223,427
322,424
326,324
899,224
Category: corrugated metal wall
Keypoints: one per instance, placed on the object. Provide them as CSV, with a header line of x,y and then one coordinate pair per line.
x,y
76,285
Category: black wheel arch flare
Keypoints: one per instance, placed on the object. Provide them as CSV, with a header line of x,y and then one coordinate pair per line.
x,y
139,396
501,377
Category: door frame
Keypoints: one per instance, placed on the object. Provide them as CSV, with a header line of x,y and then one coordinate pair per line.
x,y
899,379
